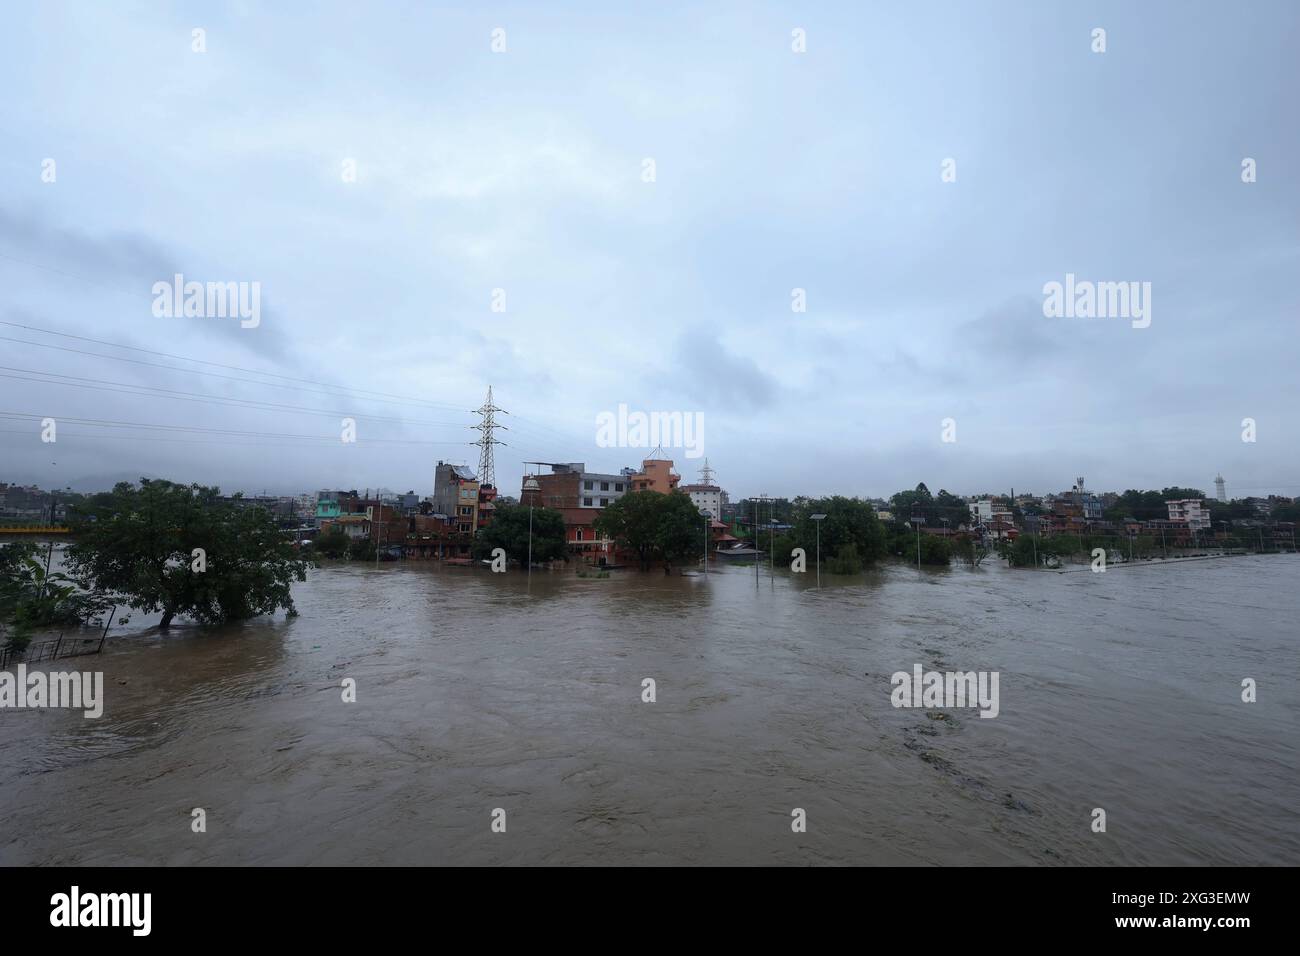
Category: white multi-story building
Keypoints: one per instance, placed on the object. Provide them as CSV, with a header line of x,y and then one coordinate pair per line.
x,y
706,497
1190,510
597,490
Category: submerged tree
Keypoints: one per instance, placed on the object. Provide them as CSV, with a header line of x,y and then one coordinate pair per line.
x,y
33,596
509,530
851,534
657,526
182,549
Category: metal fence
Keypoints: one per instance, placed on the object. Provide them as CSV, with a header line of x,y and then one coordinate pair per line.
x,y
63,646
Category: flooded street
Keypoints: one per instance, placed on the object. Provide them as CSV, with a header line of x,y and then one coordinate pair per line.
x,y
477,691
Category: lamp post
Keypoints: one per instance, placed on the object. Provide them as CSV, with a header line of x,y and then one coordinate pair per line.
x,y
771,539
918,521
532,486
756,500
708,519
818,519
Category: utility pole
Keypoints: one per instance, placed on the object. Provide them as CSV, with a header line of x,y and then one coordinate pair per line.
x,y
817,520
708,517
756,500
49,551
531,487
771,537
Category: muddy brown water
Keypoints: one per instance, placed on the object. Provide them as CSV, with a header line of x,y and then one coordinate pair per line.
x,y
478,691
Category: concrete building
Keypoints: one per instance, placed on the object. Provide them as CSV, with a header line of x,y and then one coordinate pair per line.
x,y
1190,510
599,490
705,497
579,496
456,495
656,474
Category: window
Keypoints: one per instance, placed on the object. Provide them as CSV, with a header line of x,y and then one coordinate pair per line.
x,y
587,502
579,537
467,511
604,486
618,486
604,502
588,485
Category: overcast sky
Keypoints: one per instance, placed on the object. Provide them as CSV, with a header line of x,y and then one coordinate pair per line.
x,y
774,170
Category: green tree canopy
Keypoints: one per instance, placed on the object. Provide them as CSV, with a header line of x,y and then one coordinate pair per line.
x,y
137,544
850,533
509,530
657,526
933,508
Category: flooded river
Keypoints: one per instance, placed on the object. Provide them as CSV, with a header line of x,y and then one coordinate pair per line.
x,y
476,691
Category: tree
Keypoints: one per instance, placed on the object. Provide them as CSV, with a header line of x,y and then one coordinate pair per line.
x,y
1177,494
138,545
509,530
904,541
32,597
332,544
851,534
657,526
1289,512
679,538
933,508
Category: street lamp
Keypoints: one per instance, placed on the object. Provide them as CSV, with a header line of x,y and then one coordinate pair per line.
x,y
819,519
918,520
756,500
708,519
530,485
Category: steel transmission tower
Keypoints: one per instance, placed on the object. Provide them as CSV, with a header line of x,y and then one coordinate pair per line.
x,y
486,467
706,474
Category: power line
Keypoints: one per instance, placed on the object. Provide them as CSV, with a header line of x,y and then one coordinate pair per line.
x,y
109,423
230,402
277,443
332,389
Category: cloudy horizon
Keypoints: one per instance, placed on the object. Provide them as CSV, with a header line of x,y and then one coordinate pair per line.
x,y
391,182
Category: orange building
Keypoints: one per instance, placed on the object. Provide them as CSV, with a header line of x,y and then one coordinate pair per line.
x,y
656,474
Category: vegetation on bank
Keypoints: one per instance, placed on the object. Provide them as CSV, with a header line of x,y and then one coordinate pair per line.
x,y
183,550
180,549
663,528
336,544
852,537
32,596
509,530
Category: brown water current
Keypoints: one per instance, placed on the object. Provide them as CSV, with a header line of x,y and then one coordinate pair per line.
x,y
478,691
